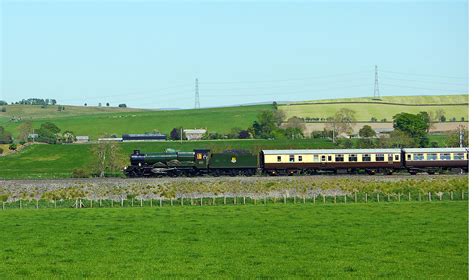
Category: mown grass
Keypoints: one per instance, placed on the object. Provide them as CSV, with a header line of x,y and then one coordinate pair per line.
x,y
392,240
94,125
59,161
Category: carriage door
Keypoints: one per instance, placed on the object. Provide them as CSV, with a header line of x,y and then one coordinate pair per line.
x,y
323,160
390,158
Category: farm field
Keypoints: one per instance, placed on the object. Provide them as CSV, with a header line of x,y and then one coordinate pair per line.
x,y
94,125
394,240
58,161
364,112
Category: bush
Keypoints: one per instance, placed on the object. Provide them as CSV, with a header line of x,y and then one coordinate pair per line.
x,y
122,105
1,151
4,109
12,147
80,173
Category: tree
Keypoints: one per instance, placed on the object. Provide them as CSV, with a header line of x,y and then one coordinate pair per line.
x,y
3,110
25,129
275,105
85,104
279,116
342,122
123,105
176,132
107,104
48,133
244,134
68,137
100,104
264,125
234,132
415,126
5,136
453,137
438,114
2,103
107,158
400,139
442,119
53,102
366,131
295,128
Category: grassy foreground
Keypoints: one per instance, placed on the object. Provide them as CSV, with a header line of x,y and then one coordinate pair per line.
x,y
396,240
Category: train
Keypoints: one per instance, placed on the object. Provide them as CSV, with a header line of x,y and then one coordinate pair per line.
x,y
200,162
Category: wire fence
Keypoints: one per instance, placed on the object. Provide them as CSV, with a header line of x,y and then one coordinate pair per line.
x,y
236,200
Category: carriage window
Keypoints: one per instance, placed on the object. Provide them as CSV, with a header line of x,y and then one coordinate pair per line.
x,y
292,158
300,158
445,156
379,157
279,158
315,157
432,156
339,157
409,157
323,158
329,158
390,157
419,157
459,156
352,157
397,157
366,157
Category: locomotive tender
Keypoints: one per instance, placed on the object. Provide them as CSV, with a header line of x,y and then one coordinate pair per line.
x,y
291,162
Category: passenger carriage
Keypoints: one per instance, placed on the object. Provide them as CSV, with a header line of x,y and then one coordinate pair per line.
x,y
432,160
348,160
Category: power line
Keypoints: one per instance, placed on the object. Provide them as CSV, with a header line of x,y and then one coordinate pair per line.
x,y
422,88
425,75
285,80
425,82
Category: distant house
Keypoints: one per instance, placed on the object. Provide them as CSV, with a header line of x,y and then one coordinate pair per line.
x,y
82,139
194,134
32,136
383,132
110,139
144,137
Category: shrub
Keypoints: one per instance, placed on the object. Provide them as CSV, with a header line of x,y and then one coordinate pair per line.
x,y
80,173
12,147
1,151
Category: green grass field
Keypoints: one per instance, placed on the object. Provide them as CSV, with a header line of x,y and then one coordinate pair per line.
x,y
93,124
391,240
58,161
365,112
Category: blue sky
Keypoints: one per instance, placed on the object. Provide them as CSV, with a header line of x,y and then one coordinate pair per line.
x,y
148,53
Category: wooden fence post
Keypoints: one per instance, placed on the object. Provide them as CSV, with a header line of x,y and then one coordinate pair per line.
x,y
440,196
3,205
366,198
409,196
235,200
141,202
182,203
151,202
91,203
355,197
345,198
294,199
451,195
314,198
225,199
201,200
213,201
244,200
284,198
378,197
161,202
462,195
132,201
398,197
304,199
324,198
429,196
419,196
37,204
54,203
388,197
121,202
100,202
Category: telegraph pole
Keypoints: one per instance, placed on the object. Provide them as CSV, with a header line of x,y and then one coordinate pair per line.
x,y
197,104
461,136
376,85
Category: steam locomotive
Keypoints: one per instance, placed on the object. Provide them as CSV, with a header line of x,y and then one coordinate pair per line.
x,y
292,162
